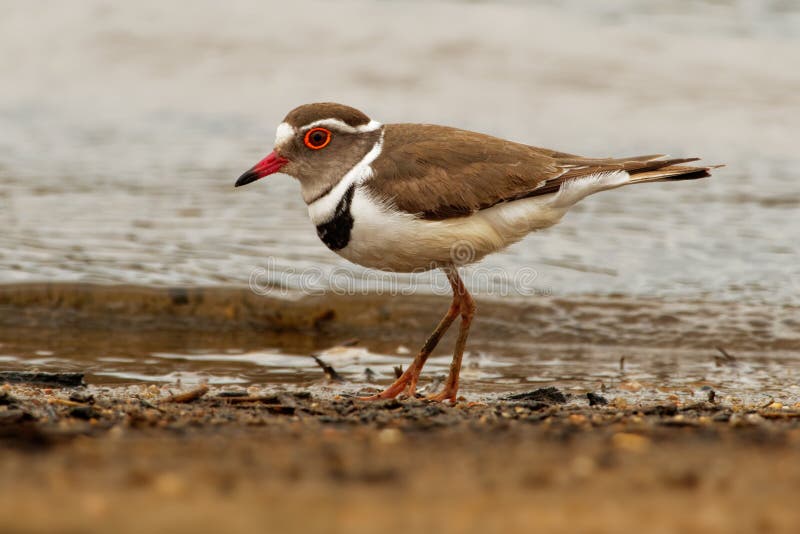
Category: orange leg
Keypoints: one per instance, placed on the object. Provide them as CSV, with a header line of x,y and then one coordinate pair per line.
x,y
408,380
467,310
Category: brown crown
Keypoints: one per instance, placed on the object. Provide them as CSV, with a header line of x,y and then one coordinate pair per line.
x,y
309,113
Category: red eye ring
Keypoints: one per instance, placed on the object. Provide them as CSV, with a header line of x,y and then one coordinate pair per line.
x,y
316,144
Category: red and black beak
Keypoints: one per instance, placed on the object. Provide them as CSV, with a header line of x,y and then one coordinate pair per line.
x,y
269,165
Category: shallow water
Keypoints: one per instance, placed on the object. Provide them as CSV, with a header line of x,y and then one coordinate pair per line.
x,y
121,135
630,347
636,373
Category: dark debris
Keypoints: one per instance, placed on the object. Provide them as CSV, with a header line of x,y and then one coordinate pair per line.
x,y
549,395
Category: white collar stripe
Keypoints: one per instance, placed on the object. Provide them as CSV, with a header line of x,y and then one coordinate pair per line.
x,y
322,209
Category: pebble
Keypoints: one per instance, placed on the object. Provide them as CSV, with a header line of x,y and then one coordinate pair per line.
x,y
738,419
631,386
577,419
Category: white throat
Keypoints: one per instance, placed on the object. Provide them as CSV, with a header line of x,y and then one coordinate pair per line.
x,y
323,208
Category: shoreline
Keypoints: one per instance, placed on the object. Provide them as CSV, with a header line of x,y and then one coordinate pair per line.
x,y
603,320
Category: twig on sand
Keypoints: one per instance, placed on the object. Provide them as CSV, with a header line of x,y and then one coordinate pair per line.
x,y
65,380
277,404
189,396
725,359
266,399
330,372
65,402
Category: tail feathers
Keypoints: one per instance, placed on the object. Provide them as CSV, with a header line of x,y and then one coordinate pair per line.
x,y
670,169
591,179
669,174
632,166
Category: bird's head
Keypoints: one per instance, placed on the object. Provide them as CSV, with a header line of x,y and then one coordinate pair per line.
x,y
317,144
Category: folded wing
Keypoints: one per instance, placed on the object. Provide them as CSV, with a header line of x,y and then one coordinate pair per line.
x,y
439,172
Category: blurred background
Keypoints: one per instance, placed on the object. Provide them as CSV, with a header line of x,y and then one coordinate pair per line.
x,y
123,126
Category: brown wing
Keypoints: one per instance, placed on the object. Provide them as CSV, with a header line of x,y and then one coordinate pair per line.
x,y
440,172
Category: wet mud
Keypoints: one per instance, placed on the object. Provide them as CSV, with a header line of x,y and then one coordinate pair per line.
x,y
138,458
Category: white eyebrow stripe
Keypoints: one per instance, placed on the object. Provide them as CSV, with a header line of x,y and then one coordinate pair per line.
x,y
342,126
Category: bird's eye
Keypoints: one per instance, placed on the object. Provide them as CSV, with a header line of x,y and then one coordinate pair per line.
x,y
317,138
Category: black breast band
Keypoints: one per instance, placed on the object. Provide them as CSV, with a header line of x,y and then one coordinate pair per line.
x,y
336,232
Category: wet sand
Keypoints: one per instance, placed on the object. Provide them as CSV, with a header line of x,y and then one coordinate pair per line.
x,y
132,460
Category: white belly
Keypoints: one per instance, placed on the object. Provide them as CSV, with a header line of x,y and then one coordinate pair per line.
x,y
385,239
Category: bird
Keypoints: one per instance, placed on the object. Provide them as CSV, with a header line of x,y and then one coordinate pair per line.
x,y
415,197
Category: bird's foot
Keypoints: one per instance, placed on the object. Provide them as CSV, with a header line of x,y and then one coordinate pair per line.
x,y
447,394
407,383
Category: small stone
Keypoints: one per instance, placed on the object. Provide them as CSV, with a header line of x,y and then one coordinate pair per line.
x,y
84,412
738,419
754,419
631,386
596,400
549,395
577,419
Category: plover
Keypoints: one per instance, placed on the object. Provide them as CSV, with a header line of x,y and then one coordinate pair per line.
x,y
415,197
